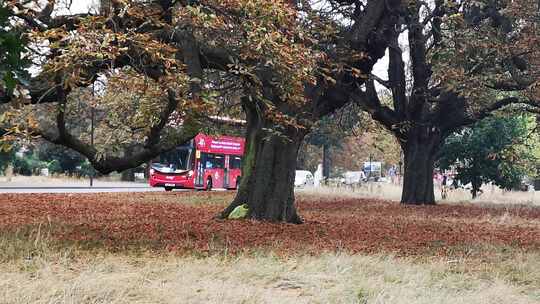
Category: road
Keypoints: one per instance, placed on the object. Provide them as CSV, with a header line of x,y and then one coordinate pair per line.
x,y
23,184
75,189
43,185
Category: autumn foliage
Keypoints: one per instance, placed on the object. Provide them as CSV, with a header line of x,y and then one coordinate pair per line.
x,y
173,222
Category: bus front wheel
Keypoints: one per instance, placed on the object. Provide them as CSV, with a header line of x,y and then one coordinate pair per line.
x,y
208,184
168,188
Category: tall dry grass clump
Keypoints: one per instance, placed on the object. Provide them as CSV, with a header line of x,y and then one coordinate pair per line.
x,y
388,191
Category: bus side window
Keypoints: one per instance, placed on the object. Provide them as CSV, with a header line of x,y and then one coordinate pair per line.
x,y
190,159
235,162
219,161
214,161
208,164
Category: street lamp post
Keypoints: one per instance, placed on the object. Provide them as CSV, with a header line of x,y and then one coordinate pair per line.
x,y
92,141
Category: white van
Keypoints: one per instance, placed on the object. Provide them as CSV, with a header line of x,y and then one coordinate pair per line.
x,y
303,178
354,177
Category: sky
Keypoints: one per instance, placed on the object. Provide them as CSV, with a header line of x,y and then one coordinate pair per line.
x,y
77,6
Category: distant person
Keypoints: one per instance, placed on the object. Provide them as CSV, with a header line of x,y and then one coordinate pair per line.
x,y
318,176
455,184
362,176
392,174
437,177
444,188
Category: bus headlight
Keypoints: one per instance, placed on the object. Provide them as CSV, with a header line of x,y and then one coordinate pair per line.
x,y
152,171
190,173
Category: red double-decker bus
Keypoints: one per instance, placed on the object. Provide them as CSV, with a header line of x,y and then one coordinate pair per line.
x,y
205,162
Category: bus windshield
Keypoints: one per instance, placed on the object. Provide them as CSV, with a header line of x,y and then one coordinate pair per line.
x,y
174,161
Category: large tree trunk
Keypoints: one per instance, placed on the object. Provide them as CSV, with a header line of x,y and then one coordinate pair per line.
x,y
420,151
268,171
326,163
476,187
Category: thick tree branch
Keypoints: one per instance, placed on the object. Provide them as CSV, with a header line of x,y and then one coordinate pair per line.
x,y
107,163
370,34
498,105
369,101
420,69
191,57
379,80
450,113
396,75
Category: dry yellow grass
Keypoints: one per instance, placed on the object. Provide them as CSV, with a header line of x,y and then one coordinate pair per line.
x,y
491,195
329,278
35,271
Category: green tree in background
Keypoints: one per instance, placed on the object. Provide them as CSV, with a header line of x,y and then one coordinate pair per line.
x,y
60,159
12,71
31,159
502,150
329,133
6,158
12,47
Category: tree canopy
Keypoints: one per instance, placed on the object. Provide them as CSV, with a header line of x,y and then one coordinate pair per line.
x,y
499,149
467,59
12,47
151,74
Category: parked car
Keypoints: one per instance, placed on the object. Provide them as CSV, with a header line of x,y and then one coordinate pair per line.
x,y
526,185
303,178
354,177
373,170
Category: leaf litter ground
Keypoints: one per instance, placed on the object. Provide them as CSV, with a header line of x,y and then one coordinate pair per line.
x,y
184,222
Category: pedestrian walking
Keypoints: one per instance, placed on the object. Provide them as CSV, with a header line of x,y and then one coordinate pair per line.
x,y
444,187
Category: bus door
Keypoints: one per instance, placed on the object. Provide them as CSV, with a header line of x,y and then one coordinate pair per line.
x,y
234,171
226,177
199,169
214,169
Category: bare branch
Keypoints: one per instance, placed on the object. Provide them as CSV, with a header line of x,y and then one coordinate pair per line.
x,y
369,101
385,83
107,163
500,104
